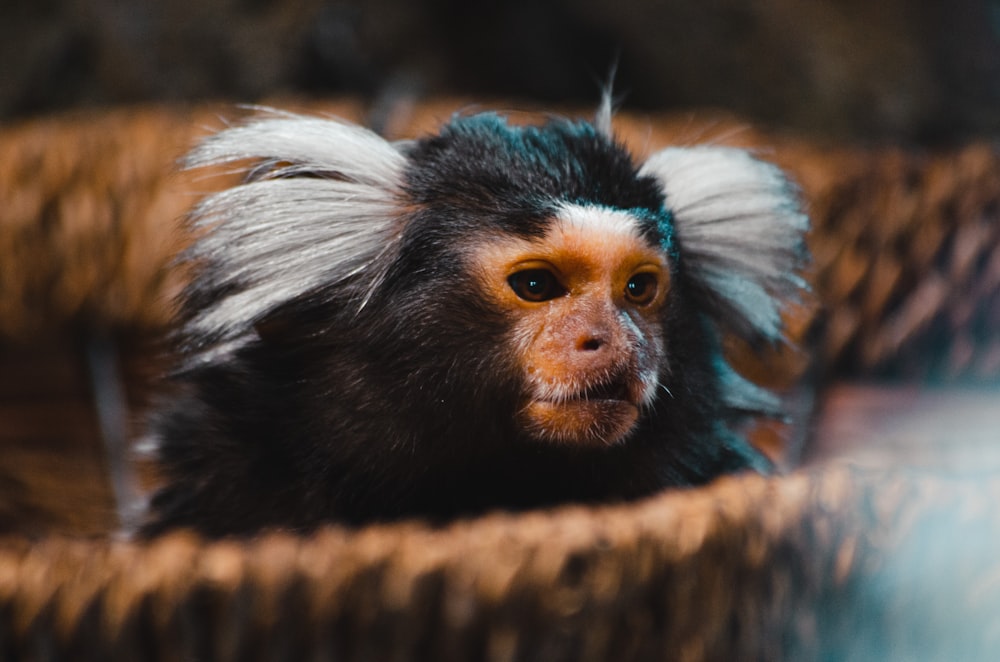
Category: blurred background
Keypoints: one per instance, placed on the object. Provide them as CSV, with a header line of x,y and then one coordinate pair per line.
x,y
875,71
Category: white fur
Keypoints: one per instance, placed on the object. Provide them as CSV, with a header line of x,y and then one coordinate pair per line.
x,y
277,236
602,120
740,231
306,143
599,220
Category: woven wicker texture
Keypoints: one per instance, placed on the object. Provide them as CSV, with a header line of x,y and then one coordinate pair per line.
x,y
906,262
838,564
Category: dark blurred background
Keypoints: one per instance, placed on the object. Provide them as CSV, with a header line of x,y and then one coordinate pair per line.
x,y
876,71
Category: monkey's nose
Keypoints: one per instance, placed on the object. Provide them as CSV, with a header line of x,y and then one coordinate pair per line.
x,y
590,342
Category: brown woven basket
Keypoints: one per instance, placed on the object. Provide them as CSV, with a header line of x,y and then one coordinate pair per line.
x,y
831,563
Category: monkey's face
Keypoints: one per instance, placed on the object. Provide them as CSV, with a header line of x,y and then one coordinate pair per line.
x,y
584,302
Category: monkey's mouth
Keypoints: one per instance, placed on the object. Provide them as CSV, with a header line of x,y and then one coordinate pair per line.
x,y
616,390
601,414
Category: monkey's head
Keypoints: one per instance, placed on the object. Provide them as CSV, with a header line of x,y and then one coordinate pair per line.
x,y
475,293
566,249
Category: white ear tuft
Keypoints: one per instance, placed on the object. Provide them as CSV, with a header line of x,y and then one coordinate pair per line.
x,y
321,204
305,144
602,120
740,232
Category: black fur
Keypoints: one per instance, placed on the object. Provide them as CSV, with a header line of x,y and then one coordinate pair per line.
x,y
493,173
406,406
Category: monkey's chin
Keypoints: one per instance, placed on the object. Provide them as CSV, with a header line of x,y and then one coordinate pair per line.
x,y
593,423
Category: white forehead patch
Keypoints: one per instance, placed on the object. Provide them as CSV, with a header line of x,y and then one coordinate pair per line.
x,y
599,220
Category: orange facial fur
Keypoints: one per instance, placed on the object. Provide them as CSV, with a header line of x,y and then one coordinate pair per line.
x,y
590,348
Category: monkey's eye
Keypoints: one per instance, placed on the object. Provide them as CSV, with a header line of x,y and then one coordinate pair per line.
x,y
535,285
641,288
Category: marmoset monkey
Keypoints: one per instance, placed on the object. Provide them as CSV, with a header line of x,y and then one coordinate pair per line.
x,y
495,316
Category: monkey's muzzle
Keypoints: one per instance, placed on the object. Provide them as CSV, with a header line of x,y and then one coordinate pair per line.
x,y
599,415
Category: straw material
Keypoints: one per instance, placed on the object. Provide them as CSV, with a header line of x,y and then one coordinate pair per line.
x,y
837,564
907,262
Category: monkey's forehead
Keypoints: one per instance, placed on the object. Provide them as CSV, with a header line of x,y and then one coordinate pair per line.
x,y
482,164
580,238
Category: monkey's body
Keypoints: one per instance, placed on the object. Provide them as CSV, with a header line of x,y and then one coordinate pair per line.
x,y
494,317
